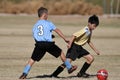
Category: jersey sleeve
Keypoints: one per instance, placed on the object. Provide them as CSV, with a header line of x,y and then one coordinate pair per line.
x,y
90,37
53,27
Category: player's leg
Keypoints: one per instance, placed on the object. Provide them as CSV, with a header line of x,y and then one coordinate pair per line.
x,y
59,69
56,51
66,61
70,57
27,69
86,65
70,67
37,55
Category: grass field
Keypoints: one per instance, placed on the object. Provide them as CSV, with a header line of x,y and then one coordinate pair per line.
x,y
16,45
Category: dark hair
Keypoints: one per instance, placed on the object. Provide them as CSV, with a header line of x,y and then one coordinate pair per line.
x,y
94,20
42,10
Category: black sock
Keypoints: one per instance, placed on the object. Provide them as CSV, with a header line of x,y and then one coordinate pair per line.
x,y
57,71
84,68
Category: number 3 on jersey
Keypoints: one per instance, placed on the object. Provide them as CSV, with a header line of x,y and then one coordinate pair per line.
x,y
40,30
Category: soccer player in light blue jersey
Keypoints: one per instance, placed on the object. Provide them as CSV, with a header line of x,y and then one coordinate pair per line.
x,y
42,34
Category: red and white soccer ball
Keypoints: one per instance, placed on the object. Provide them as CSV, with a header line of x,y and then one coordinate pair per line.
x,y
102,74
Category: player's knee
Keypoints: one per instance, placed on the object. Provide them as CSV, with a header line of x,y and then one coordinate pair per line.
x,y
91,59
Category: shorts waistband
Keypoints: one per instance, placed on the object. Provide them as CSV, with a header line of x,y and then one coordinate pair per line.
x,y
43,42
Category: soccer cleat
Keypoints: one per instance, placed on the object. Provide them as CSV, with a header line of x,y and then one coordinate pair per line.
x,y
84,75
23,76
72,69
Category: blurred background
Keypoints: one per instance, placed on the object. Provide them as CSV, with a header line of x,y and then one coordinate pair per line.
x,y
61,7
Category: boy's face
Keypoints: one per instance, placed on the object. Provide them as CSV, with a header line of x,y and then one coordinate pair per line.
x,y
92,26
45,15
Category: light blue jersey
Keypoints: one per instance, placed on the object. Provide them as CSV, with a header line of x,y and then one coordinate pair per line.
x,y
42,30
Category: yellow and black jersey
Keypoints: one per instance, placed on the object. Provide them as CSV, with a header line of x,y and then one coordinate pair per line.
x,y
82,36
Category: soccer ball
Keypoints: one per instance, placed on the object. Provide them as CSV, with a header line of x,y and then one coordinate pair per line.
x,y
102,74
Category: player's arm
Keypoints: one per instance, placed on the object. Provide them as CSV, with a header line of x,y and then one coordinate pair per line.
x,y
71,41
93,47
61,34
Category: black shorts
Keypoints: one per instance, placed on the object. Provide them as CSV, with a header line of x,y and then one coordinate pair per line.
x,y
76,51
42,47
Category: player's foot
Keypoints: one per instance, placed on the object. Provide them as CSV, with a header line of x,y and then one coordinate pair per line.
x,y
72,69
84,75
23,76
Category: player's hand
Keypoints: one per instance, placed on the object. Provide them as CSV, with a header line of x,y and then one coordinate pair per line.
x,y
66,40
69,45
97,52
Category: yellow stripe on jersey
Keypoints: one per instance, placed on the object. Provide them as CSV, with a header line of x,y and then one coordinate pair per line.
x,y
82,36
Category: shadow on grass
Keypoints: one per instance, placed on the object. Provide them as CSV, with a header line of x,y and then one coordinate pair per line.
x,y
48,76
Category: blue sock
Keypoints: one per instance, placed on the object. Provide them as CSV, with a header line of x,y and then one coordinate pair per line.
x,y
27,69
68,65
